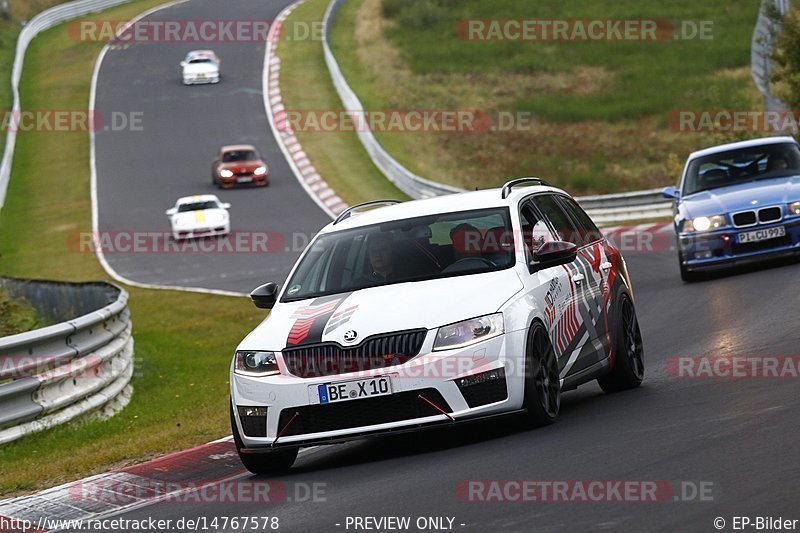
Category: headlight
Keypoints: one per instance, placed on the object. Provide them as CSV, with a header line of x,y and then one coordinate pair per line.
x,y
225,173
794,208
181,221
255,363
260,171
704,223
468,332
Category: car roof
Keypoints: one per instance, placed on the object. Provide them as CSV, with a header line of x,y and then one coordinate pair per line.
x,y
201,53
466,201
196,198
742,144
238,148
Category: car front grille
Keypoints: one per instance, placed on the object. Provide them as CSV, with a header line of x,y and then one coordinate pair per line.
x,y
763,216
359,413
376,352
746,218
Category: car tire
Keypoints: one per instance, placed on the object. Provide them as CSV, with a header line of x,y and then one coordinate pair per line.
x,y
263,464
627,364
542,399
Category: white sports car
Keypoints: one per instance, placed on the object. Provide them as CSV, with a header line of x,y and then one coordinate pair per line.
x,y
200,66
199,216
431,312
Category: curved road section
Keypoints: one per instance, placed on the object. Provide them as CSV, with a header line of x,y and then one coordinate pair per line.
x,y
161,148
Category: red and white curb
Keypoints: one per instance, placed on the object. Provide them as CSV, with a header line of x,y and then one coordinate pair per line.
x,y
111,493
284,134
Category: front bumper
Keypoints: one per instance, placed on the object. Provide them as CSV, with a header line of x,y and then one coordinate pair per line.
x,y
199,80
236,181
195,232
721,248
295,416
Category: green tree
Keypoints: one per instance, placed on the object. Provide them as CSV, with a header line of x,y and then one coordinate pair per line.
x,y
786,61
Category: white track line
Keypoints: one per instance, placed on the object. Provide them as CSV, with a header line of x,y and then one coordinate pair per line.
x,y
301,167
93,179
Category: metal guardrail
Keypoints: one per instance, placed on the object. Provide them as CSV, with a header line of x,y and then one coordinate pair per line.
x,y
41,22
413,185
761,51
82,364
612,208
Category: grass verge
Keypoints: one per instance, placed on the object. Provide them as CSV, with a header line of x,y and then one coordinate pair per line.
x,y
592,117
16,316
306,86
182,351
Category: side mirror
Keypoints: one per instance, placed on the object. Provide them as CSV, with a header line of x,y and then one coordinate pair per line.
x,y
171,211
671,192
265,296
226,205
183,63
554,253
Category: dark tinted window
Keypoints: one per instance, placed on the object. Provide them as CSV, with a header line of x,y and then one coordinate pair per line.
x,y
739,166
561,223
587,231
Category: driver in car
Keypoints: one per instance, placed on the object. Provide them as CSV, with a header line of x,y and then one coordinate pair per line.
x,y
381,258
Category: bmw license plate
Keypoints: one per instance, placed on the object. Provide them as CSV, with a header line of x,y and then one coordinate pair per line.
x,y
762,234
244,180
353,390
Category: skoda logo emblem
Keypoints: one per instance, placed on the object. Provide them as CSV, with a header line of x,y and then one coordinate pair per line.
x,y
350,336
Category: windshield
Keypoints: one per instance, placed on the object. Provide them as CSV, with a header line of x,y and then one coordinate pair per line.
x,y
416,249
199,60
239,155
743,165
197,206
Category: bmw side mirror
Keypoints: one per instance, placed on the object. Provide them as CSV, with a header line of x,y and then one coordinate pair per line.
x,y
265,296
553,253
171,211
670,192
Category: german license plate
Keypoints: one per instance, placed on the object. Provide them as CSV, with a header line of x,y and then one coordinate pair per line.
x,y
762,234
244,180
353,390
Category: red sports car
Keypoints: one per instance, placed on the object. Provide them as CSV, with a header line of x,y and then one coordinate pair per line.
x,y
239,164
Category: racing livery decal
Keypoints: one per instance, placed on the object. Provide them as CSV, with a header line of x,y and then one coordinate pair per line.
x,y
310,320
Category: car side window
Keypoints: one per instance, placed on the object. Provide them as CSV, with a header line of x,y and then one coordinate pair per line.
x,y
535,230
587,230
555,215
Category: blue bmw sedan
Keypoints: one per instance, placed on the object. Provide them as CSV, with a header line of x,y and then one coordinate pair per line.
x,y
737,203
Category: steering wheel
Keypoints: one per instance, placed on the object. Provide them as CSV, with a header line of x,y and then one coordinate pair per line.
x,y
468,263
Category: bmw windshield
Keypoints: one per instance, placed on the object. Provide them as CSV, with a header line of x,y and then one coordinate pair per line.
x,y
416,249
739,166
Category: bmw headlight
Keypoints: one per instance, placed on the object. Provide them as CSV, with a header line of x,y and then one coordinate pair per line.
x,y
794,208
468,332
225,173
701,224
260,171
255,363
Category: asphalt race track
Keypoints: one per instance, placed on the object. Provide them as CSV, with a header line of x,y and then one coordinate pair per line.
x,y
736,436
140,174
